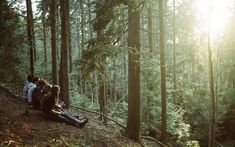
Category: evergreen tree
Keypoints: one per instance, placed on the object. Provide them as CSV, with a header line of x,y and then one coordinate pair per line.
x,y
163,76
12,67
31,36
133,119
64,65
53,41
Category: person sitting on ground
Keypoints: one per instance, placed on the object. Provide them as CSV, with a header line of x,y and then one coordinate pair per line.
x,y
37,94
53,111
31,87
26,84
45,91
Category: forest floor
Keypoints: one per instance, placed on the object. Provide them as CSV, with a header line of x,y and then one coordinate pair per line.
x,y
18,129
33,130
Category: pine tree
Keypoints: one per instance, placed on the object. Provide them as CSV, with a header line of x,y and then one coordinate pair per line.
x,y
64,66
53,42
163,76
133,120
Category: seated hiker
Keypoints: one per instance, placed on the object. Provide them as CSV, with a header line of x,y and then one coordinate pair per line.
x,y
26,84
31,87
46,89
53,111
37,94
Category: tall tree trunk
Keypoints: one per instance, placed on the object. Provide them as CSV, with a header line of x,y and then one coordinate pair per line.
x,y
79,78
174,55
53,42
83,84
64,80
151,52
30,34
123,17
58,28
94,86
82,24
114,92
89,18
78,41
44,31
150,30
69,42
212,91
102,93
163,76
133,120
101,77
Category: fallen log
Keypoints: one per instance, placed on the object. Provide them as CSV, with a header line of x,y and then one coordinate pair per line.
x,y
100,115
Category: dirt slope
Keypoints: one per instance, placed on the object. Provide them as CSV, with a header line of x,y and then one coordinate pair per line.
x,y
32,129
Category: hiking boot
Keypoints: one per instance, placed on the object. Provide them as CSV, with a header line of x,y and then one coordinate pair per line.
x,y
80,117
82,123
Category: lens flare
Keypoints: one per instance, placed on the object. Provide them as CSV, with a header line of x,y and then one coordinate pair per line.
x,y
214,15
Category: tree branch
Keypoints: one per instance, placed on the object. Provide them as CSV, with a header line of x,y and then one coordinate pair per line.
x,y
99,114
218,143
155,140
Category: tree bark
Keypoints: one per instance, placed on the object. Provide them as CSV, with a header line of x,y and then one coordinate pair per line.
x,y
150,30
151,52
69,42
174,55
163,76
89,18
53,42
30,34
102,93
44,31
83,84
64,80
133,120
101,76
212,91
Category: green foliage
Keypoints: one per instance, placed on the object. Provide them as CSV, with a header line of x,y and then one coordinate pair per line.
x,y
12,55
179,131
105,10
188,118
82,100
119,112
110,27
178,127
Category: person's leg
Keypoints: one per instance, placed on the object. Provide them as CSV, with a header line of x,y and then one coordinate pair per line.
x,y
80,117
84,122
69,117
65,120
56,117
77,122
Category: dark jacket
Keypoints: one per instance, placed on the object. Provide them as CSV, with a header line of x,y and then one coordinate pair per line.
x,y
48,104
36,96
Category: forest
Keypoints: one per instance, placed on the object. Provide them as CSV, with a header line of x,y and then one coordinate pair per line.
x,y
163,69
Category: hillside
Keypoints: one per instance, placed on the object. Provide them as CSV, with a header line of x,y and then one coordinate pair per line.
x,y
18,128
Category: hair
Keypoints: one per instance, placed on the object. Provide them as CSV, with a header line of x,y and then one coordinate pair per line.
x,y
46,89
30,77
41,83
35,80
54,92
